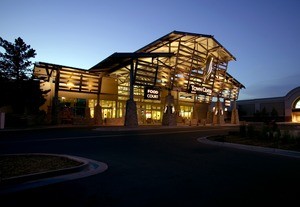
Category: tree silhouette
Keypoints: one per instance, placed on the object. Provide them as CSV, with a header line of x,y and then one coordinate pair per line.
x,y
15,63
19,90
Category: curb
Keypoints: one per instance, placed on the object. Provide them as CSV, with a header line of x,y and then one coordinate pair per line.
x,y
47,174
275,151
109,127
18,183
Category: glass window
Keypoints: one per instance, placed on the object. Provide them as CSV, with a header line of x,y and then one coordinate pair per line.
x,y
297,105
186,111
108,108
80,107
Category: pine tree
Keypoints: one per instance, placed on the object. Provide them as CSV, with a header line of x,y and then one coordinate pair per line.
x,y
15,63
20,91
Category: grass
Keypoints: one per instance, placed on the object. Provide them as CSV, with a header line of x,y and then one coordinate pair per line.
x,y
19,165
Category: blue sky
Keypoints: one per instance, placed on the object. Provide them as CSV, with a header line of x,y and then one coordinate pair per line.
x,y
262,35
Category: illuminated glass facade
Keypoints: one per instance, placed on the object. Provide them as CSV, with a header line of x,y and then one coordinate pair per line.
x,y
191,68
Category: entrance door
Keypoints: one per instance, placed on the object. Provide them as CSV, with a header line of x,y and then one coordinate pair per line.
x,y
107,113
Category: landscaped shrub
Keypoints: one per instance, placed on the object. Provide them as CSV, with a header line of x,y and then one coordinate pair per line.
x,y
286,136
265,131
297,142
243,130
250,130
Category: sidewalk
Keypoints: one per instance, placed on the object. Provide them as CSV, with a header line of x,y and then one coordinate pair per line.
x,y
114,127
276,151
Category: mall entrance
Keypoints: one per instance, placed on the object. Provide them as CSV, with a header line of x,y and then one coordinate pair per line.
x,y
149,113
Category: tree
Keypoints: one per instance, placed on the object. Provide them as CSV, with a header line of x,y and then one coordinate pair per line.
x,y
18,88
15,63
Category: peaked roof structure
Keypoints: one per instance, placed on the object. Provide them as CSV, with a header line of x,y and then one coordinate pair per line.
x,y
176,61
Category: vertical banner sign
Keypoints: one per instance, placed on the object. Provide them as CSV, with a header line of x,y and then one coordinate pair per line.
x,y
151,93
208,67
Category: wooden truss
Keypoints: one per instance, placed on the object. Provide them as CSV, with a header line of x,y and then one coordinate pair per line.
x,y
176,61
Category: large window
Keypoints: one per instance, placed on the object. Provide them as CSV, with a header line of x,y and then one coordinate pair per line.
x,y
297,105
77,105
108,108
92,104
186,112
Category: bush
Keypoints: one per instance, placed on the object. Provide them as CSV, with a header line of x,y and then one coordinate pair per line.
x,y
250,130
243,130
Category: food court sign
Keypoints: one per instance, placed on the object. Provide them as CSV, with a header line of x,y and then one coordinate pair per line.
x,y
200,90
151,93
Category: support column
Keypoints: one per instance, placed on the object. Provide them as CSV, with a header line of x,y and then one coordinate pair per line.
x,y
235,114
55,101
209,115
196,113
98,110
131,119
87,115
218,116
98,115
169,116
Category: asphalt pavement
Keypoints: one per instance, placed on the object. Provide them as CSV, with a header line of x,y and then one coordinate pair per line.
x,y
140,151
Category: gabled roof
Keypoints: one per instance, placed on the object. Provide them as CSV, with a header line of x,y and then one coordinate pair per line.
x,y
209,45
176,60
176,35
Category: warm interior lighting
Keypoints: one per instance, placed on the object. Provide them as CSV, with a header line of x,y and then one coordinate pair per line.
x,y
70,84
297,106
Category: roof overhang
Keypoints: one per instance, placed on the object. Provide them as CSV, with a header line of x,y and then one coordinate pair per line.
x,y
176,35
118,60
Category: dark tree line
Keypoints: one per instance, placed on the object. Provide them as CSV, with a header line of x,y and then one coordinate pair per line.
x,y
20,91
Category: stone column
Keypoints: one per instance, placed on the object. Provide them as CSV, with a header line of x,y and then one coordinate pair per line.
x,y
87,112
235,114
218,116
55,102
196,111
169,116
87,115
98,115
98,110
209,116
131,119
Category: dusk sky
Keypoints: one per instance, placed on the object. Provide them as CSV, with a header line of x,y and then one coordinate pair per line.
x,y
262,35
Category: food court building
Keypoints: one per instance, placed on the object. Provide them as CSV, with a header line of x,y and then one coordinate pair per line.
x,y
173,80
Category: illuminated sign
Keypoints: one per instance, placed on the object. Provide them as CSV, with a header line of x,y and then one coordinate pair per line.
x,y
151,93
227,102
200,90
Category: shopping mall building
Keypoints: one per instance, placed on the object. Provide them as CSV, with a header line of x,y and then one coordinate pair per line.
x,y
179,78
283,109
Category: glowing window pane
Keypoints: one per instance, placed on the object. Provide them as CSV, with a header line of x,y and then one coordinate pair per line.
x,y
297,106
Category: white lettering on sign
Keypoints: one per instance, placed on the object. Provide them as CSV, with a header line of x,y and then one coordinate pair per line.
x,y
200,89
151,93
152,96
